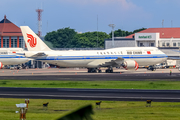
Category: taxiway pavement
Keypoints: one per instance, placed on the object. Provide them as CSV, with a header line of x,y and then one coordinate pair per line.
x,y
81,74
92,94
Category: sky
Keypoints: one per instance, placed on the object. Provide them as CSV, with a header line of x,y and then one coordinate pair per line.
x,y
92,15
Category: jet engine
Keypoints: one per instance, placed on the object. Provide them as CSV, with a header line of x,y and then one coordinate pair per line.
x,y
1,65
130,64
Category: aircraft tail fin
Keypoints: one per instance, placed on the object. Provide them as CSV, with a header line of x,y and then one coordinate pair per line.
x,y
33,42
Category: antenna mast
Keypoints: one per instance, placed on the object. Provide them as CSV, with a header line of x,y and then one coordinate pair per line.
x,y
97,31
39,11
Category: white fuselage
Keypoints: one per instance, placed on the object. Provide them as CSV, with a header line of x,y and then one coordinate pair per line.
x,y
13,59
94,58
8,56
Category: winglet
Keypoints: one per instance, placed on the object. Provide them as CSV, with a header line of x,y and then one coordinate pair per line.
x,y
33,42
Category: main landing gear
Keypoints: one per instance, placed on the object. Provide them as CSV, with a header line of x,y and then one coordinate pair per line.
x,y
94,70
98,70
109,70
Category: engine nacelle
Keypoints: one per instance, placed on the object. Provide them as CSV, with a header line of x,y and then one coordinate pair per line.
x,y
1,65
131,64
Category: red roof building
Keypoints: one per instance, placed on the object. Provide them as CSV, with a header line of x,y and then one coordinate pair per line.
x,y
163,32
157,37
10,35
151,37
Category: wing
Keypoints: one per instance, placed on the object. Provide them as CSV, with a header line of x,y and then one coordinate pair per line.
x,y
36,55
176,50
106,63
39,55
174,58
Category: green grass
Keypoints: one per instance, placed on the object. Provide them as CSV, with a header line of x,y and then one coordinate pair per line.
x,y
110,110
171,85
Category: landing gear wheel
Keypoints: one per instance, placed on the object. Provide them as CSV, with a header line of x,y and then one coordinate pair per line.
x,y
94,71
153,69
109,71
90,70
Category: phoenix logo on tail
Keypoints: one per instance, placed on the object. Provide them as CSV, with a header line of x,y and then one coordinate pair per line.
x,y
32,40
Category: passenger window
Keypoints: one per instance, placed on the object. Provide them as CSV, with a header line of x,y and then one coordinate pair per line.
x,y
98,53
114,52
111,52
104,52
107,52
101,53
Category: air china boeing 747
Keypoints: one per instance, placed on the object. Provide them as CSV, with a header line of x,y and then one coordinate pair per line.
x,y
127,57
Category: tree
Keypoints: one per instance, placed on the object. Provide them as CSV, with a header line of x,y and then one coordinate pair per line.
x,y
62,38
138,30
122,33
49,44
89,39
68,38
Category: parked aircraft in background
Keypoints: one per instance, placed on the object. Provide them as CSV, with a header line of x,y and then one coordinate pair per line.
x,y
9,57
127,57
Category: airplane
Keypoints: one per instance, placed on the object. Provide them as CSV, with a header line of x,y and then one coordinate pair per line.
x,y
93,60
11,58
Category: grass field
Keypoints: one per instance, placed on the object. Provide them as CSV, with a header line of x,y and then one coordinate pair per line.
x,y
110,110
164,85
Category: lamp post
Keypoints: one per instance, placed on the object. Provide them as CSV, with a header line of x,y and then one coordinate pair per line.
x,y
112,25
